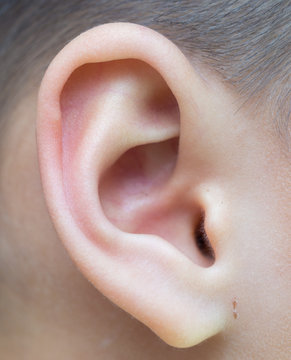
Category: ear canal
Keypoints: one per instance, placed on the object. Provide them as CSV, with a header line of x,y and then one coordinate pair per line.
x,y
137,196
109,145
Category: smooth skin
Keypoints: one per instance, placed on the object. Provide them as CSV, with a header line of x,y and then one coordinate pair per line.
x,y
134,143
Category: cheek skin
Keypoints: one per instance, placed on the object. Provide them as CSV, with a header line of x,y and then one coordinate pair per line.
x,y
247,201
261,277
257,223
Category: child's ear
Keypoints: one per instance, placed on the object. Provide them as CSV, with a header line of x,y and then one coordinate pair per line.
x,y
124,157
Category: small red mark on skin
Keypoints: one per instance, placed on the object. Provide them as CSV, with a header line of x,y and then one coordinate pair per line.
x,y
234,309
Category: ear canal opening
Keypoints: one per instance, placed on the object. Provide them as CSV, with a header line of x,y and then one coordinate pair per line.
x,y
203,243
132,197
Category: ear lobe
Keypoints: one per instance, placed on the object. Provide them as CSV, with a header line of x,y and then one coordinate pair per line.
x,y
108,127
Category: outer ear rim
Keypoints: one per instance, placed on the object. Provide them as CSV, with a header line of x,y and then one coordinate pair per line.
x,y
92,46
134,39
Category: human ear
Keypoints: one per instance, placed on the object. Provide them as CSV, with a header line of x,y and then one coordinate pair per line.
x,y
122,171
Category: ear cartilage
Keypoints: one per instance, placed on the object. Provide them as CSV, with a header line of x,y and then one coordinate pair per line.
x,y
234,309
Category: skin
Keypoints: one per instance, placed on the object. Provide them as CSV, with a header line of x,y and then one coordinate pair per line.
x,y
138,221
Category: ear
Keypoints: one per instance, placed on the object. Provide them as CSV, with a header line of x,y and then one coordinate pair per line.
x,y
122,159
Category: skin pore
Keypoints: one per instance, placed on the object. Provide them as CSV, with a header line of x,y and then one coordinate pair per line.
x,y
49,309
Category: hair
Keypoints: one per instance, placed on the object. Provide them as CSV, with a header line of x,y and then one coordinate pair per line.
x,y
247,42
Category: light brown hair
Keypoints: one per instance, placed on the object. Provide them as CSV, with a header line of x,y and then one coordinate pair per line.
x,y
247,42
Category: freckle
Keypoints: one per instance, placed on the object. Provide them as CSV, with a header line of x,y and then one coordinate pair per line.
x,y
234,311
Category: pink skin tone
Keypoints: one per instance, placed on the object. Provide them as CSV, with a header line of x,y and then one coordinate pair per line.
x,y
134,143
